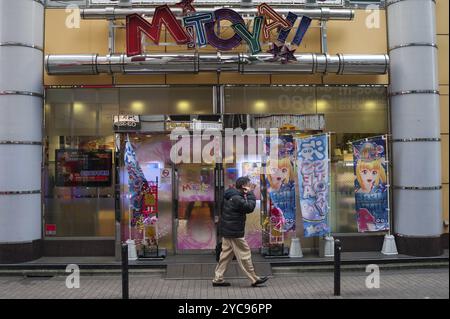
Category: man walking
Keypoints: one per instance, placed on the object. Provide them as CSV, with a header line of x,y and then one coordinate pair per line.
x,y
238,202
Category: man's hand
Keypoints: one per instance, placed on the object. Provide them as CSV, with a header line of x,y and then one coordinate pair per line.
x,y
248,188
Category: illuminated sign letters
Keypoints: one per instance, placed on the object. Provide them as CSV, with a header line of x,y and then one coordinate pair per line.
x,y
198,29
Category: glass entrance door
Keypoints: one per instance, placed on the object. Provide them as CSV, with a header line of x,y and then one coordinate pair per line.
x,y
196,230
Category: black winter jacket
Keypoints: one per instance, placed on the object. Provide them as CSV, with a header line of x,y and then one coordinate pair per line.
x,y
236,206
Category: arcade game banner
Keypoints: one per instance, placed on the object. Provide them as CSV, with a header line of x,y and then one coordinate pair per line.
x,y
371,191
313,177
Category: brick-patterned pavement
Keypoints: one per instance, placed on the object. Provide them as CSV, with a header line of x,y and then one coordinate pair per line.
x,y
418,283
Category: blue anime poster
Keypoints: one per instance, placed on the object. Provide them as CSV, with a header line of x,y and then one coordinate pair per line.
x,y
371,192
313,177
281,183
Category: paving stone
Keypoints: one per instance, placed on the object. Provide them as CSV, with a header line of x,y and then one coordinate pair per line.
x,y
394,284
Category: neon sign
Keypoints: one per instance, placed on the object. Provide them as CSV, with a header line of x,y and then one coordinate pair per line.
x,y
197,30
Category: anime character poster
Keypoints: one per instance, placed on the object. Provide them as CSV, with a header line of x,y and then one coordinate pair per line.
x,y
371,193
281,182
136,182
313,177
144,189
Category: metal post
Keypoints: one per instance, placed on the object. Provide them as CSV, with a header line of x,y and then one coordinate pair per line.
x,y
117,195
125,294
112,41
337,267
388,182
156,224
264,214
174,206
324,36
329,184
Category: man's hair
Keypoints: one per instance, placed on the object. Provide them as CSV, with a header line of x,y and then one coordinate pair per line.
x,y
241,181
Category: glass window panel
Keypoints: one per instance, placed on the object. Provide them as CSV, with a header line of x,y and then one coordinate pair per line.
x,y
270,99
59,95
84,119
78,211
57,118
79,119
166,100
353,109
106,116
351,113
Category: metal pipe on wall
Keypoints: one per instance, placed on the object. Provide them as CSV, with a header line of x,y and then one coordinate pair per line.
x,y
202,3
306,63
121,13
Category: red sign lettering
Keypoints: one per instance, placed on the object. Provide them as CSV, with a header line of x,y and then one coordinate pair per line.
x,y
136,25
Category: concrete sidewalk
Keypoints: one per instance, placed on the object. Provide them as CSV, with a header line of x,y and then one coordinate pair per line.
x,y
394,284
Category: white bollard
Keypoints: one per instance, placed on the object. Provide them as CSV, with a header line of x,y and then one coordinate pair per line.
x,y
295,250
329,246
389,246
132,253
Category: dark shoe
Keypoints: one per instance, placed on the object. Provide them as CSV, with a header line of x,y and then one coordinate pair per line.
x,y
221,284
260,281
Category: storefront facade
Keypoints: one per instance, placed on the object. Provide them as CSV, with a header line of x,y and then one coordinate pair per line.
x,y
354,82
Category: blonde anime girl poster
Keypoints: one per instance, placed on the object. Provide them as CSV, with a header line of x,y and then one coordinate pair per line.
x,y
371,192
281,181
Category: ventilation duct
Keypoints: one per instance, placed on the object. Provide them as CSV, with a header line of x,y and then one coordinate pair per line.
x,y
110,13
306,63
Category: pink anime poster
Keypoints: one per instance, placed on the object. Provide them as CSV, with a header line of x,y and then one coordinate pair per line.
x,y
371,191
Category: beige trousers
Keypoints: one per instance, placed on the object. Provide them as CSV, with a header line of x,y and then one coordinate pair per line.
x,y
239,248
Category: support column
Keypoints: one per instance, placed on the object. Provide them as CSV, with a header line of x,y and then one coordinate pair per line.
x,y
21,116
414,102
